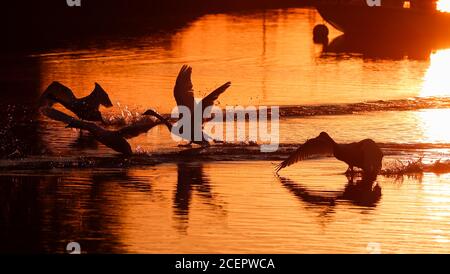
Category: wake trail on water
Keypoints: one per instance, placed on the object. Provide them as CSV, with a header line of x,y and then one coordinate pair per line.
x,y
397,162
123,115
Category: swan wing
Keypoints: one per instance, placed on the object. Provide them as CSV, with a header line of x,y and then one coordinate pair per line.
x,y
183,91
105,100
57,93
312,147
213,96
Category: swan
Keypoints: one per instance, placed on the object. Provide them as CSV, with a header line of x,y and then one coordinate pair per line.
x,y
86,108
165,121
114,139
364,154
184,96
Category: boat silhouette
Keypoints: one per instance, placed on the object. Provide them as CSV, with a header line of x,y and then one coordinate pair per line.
x,y
391,48
391,18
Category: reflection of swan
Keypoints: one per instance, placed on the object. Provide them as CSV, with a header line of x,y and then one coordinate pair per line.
x,y
85,108
191,178
114,139
124,179
362,192
364,154
184,96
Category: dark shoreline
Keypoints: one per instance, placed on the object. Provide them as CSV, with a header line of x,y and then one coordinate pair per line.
x,y
30,25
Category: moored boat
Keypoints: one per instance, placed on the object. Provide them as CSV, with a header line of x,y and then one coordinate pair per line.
x,y
391,17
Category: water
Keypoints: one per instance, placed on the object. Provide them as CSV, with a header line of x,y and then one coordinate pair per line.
x,y
227,199
222,207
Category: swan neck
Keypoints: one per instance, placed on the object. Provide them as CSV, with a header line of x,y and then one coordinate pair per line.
x,y
164,120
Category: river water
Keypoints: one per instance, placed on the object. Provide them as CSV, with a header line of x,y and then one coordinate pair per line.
x,y
229,201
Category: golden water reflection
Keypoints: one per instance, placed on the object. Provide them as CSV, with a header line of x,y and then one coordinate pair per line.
x,y
443,5
436,79
268,56
433,122
434,125
225,207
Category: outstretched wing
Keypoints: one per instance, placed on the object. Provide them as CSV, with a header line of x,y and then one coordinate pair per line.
x,y
213,96
57,93
137,128
183,91
312,147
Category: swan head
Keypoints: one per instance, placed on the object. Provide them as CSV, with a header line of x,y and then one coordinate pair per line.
x,y
150,112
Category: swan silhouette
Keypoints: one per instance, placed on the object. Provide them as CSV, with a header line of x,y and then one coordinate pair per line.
x,y
114,139
364,154
86,108
184,96
165,121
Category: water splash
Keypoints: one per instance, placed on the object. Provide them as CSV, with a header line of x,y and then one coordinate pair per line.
x,y
415,167
123,116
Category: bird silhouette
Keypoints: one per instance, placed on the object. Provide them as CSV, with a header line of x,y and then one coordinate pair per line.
x,y
169,126
114,139
364,154
184,96
86,108
165,121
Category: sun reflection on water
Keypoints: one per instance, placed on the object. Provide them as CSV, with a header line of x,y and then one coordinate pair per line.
x,y
436,84
436,79
443,5
435,129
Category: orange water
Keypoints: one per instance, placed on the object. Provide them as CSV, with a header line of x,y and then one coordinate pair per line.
x,y
220,207
225,207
